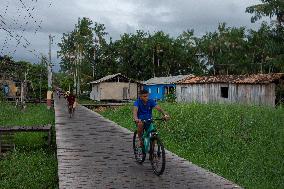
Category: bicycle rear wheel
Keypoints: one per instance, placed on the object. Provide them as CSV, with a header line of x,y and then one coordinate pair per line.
x,y
157,156
70,110
138,151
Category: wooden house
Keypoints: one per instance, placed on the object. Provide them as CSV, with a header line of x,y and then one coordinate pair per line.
x,y
158,87
115,87
10,88
259,89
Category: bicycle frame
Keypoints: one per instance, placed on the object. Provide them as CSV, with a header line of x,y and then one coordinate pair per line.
x,y
146,137
147,132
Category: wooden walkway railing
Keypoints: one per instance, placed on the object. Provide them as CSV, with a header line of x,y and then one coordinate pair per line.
x,y
108,105
7,133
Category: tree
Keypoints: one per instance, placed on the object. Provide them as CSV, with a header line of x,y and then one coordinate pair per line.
x,y
63,81
260,44
76,53
267,8
224,51
37,76
186,55
271,37
134,55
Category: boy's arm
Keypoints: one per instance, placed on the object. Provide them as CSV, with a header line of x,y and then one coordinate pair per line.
x,y
135,111
166,115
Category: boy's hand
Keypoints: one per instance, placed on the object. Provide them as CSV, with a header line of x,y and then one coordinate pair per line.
x,y
166,117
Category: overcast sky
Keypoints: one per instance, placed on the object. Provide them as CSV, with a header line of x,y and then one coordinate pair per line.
x,y
34,20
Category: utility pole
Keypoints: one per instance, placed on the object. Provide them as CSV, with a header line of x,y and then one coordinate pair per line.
x,y
97,43
154,62
49,69
76,61
78,69
94,62
76,73
40,81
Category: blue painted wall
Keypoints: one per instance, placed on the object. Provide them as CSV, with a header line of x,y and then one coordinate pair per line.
x,y
157,92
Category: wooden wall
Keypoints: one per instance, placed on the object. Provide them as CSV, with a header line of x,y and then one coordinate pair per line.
x,y
257,94
113,91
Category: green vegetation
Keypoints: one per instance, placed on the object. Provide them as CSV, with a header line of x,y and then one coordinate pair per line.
x,y
35,74
34,115
243,144
33,164
86,100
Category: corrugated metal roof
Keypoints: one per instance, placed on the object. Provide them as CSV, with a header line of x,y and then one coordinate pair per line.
x,y
166,80
241,79
105,78
110,77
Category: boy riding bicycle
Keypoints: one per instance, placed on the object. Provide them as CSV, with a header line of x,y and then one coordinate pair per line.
x,y
142,110
71,99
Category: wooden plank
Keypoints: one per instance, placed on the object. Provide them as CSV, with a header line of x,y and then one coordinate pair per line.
x,y
49,137
0,143
107,105
6,146
6,141
25,129
6,135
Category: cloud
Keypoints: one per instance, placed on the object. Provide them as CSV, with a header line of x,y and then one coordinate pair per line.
x,y
119,16
202,16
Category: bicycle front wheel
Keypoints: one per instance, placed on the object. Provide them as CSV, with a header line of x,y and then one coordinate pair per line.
x,y
157,156
138,151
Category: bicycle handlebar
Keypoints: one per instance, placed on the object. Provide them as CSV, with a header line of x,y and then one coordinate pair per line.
x,y
155,119
152,120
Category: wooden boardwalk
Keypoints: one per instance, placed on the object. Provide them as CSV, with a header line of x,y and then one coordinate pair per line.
x,y
94,152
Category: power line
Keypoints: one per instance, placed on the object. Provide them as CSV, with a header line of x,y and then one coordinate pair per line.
x,y
10,24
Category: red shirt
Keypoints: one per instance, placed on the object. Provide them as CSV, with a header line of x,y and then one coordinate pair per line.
x,y
71,99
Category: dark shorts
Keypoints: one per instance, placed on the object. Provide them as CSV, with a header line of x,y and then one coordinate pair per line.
x,y
146,124
70,105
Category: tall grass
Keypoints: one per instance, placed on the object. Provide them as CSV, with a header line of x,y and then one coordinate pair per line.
x,y
32,164
243,144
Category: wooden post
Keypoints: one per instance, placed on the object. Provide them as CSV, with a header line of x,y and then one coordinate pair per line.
x,y
49,77
0,143
49,134
49,137
22,92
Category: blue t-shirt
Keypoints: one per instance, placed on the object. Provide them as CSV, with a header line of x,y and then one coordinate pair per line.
x,y
145,111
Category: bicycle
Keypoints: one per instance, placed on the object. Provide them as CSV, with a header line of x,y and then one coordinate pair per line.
x,y
153,145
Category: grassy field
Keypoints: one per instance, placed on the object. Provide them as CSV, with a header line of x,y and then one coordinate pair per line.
x,y
243,144
33,164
